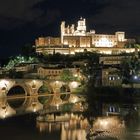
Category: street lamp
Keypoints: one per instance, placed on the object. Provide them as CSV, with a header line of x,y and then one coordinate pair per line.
x,y
135,77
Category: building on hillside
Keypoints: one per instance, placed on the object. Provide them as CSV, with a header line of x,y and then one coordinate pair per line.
x,y
48,42
54,73
111,77
113,59
111,109
77,39
26,67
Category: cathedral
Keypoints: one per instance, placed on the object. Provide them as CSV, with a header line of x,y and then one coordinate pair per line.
x,y
76,39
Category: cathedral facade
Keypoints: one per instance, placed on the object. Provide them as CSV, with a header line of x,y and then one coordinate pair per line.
x,y
77,38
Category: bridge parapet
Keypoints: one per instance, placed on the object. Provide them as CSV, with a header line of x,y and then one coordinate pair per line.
x,y
57,85
30,86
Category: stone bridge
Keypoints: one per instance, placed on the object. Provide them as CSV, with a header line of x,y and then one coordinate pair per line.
x,y
32,86
30,101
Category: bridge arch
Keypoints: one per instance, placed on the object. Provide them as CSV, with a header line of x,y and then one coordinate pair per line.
x,y
17,91
47,91
45,87
65,89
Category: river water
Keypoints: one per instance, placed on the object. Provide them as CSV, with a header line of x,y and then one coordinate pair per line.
x,y
37,119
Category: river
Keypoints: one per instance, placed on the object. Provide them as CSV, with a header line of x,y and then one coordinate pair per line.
x,y
36,118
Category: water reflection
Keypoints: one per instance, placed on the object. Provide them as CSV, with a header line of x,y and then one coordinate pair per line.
x,y
70,119
34,105
72,126
11,107
112,127
77,126
15,105
5,109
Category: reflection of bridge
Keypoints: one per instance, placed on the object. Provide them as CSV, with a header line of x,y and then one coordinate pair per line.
x,y
32,103
31,86
31,100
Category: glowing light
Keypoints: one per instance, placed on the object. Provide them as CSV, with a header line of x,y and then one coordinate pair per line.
x,y
34,110
4,83
65,43
34,84
104,123
74,84
66,53
73,99
57,106
72,53
110,126
135,77
34,107
104,42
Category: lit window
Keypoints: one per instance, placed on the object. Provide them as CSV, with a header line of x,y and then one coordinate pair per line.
x,y
110,78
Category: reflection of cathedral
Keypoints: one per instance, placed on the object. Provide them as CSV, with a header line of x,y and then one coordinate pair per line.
x,y
73,128
78,38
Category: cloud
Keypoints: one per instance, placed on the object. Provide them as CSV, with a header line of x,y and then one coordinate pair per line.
x,y
20,9
15,13
21,21
120,13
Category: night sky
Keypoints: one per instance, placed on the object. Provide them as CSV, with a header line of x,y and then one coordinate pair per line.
x,y
21,21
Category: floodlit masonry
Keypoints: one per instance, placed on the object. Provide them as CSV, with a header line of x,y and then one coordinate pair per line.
x,y
77,39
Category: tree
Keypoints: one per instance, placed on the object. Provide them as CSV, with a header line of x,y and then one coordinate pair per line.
x,y
130,67
67,76
14,74
20,59
28,50
125,70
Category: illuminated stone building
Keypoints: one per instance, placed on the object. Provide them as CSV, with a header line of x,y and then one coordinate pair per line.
x,y
77,39
113,59
111,77
54,73
81,38
48,41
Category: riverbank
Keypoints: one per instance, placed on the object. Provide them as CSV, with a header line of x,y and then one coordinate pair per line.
x,y
113,94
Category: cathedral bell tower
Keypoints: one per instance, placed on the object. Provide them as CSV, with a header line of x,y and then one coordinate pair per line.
x,y
81,27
